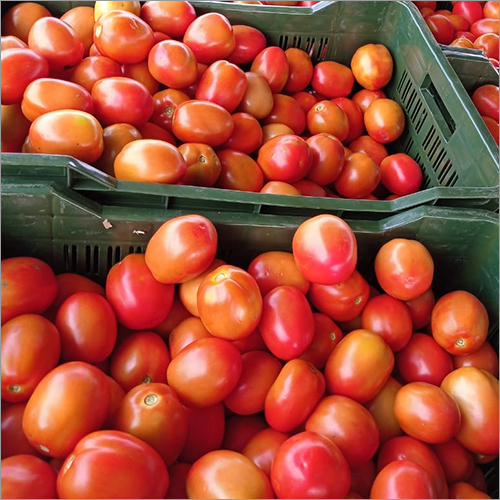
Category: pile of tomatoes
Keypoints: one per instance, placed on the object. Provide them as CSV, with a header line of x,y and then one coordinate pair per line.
x,y
186,376
155,93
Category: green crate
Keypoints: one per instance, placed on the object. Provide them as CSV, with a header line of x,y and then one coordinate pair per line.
x,y
444,135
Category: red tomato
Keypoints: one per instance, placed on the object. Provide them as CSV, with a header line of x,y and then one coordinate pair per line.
x,y
165,102
285,158
113,97
205,372
76,395
325,250
272,64
239,171
364,97
488,43
211,37
112,464
152,412
485,98
430,5
228,474
359,366
303,468
472,11
421,309
441,27
138,299
490,9
181,248
185,333
423,360
81,19
332,79
249,41
327,158
177,314
170,18
19,19
287,110
404,268
57,42
258,98
477,479
457,462
253,342
306,100
280,187
359,177
400,174
28,286
178,474
140,72
459,322
483,26
327,117
247,134
384,120
492,126
365,144
300,70
466,490
239,429
293,395
485,358
202,121
15,127
140,358
287,324
19,68
462,42
349,425
354,117
94,68
27,476
14,441
372,66
476,393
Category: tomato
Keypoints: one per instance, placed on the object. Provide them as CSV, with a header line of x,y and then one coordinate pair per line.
x,y
349,425
476,393
18,19
359,366
381,407
101,7
272,64
306,100
490,9
15,127
28,286
249,41
76,395
332,79
27,476
247,134
364,97
205,431
185,333
202,121
19,68
240,429
228,474
459,322
459,22
122,100
81,19
181,248
303,466
137,469
421,309
354,117
14,441
465,34
57,42
260,370
325,250
488,43
462,42
287,323
140,72
218,367
273,130
466,490
477,479
150,130
327,117
457,462
384,120
483,26
400,174
229,302
165,102
485,358
177,314
94,68
441,27
152,412
258,98
404,268
287,110
285,158
300,70
359,177
492,126
372,66
327,158
400,479
485,98
203,164
170,18
211,37
239,171
141,358
67,132
280,187
472,11
178,474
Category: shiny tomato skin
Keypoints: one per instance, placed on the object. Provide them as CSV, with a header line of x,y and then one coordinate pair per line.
x,y
185,333
178,474
404,268
441,27
81,19
165,102
325,250
249,41
140,72
349,425
258,98
67,132
272,64
218,367
471,11
287,111
354,117
300,70
31,347
177,314
485,358
153,413
485,98
400,174
101,7
327,158
359,177
202,121
210,37
466,490
141,358
28,286
27,476
227,474
94,68
140,301
372,66
137,469
19,68
239,171
421,309
364,97
423,360
332,79
15,128
77,396
14,441
456,461
303,465
293,395
365,144
384,120
280,187
171,18
328,118
485,25
247,134
181,248
359,366
476,393
287,323
19,19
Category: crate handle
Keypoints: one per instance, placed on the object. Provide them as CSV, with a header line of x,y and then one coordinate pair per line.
x,y
438,108
90,172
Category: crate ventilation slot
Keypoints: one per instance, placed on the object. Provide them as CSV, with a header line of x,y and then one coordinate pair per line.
x,y
316,48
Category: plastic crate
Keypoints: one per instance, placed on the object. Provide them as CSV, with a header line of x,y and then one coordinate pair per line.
x,y
444,134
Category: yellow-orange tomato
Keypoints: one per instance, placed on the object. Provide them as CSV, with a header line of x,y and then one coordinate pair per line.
x,y
101,8
186,332
280,187
18,20
81,19
273,130
258,97
372,66
384,120
327,117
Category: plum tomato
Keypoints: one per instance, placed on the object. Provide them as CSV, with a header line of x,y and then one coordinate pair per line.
x,y
372,66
